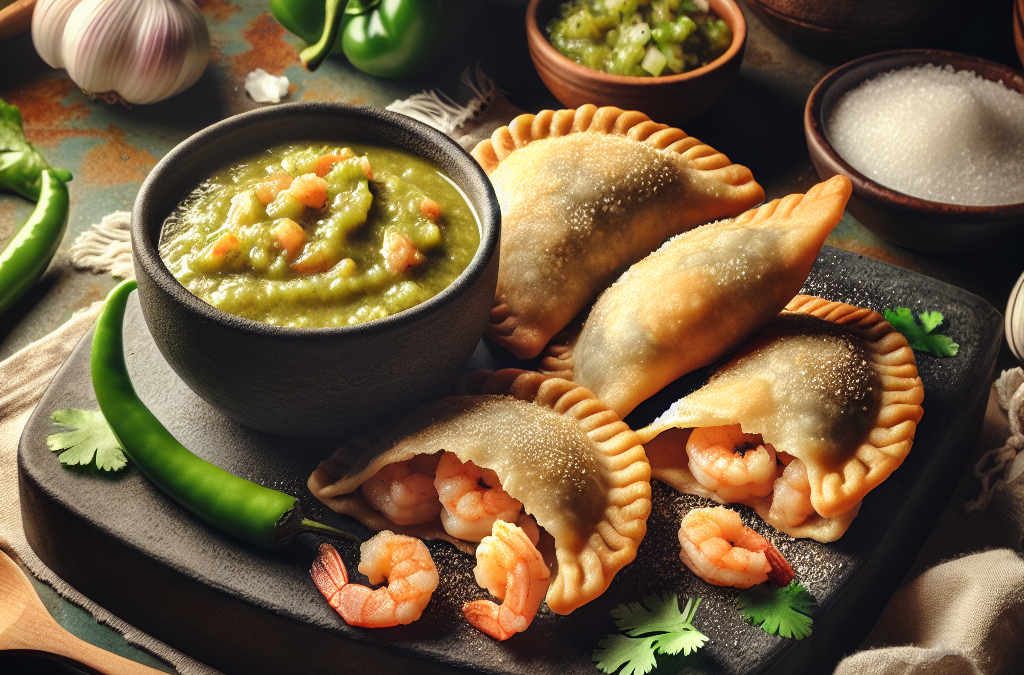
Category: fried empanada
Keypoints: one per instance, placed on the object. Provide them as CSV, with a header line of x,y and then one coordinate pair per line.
x,y
827,383
698,298
584,194
574,465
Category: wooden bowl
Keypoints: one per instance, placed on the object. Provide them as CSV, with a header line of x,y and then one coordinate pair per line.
x,y
919,224
840,30
670,98
1018,28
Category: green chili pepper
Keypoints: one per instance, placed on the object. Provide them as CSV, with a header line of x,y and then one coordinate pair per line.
x,y
25,258
239,507
21,167
387,38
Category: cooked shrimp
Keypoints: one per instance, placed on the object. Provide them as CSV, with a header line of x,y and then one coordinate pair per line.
x,y
404,491
721,550
472,499
310,189
404,561
511,568
400,253
791,500
734,465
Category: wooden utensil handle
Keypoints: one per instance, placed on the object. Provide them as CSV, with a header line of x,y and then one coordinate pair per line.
x,y
15,18
65,647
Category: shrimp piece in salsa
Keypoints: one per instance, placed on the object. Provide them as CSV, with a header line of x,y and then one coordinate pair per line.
x,y
721,550
734,465
511,568
403,561
472,499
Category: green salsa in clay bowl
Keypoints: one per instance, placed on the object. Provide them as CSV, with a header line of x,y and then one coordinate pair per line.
x,y
671,59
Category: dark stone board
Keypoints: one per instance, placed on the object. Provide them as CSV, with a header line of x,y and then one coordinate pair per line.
x,y
244,610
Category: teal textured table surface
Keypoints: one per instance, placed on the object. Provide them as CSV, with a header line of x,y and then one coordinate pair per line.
x,y
110,149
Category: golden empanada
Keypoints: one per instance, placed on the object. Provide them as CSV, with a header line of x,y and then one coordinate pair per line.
x,y
574,465
699,297
830,384
585,193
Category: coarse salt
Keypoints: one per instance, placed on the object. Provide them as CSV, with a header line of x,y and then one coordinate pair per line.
x,y
263,87
935,133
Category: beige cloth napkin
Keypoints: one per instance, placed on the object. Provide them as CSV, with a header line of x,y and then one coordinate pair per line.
x,y
961,612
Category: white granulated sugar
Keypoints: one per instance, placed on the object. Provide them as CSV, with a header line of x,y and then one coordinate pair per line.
x,y
935,133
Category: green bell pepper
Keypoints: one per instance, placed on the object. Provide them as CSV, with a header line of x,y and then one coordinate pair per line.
x,y
386,38
304,18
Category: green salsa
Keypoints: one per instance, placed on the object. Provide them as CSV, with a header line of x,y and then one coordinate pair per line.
x,y
644,38
321,236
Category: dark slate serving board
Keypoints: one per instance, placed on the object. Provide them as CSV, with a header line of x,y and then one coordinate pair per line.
x,y
244,610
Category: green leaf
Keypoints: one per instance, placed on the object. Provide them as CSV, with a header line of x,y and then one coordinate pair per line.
x,y
91,438
674,633
635,654
21,167
920,335
686,642
779,611
661,615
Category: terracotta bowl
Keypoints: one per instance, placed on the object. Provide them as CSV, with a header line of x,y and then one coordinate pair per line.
x,y
840,30
670,98
1018,28
312,382
919,224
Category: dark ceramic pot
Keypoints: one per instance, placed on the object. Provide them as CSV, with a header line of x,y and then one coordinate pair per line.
x,y
1018,28
919,224
672,99
312,382
840,30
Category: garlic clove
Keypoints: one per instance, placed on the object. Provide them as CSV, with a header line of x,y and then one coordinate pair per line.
x,y
48,20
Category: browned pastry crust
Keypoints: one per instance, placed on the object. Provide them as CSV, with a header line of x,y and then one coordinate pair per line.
x,y
585,193
574,465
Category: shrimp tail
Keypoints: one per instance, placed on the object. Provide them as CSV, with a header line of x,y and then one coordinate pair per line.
x,y
329,574
780,573
492,619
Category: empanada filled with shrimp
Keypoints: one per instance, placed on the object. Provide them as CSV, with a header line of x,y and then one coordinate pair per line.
x,y
584,194
512,446
830,389
698,298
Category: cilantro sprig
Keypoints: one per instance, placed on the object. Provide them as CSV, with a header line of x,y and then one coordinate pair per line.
x,y
920,335
90,439
779,611
657,628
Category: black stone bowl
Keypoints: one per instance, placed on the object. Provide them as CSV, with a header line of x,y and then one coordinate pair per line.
x,y
312,382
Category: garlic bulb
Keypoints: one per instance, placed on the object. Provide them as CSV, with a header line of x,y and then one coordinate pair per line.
x,y
135,51
1013,325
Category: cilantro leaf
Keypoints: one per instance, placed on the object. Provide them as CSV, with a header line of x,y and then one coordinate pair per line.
x,y
91,438
920,336
779,611
21,167
635,654
674,633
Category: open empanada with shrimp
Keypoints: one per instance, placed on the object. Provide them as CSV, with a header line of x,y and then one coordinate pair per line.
x,y
698,298
831,388
548,445
584,194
